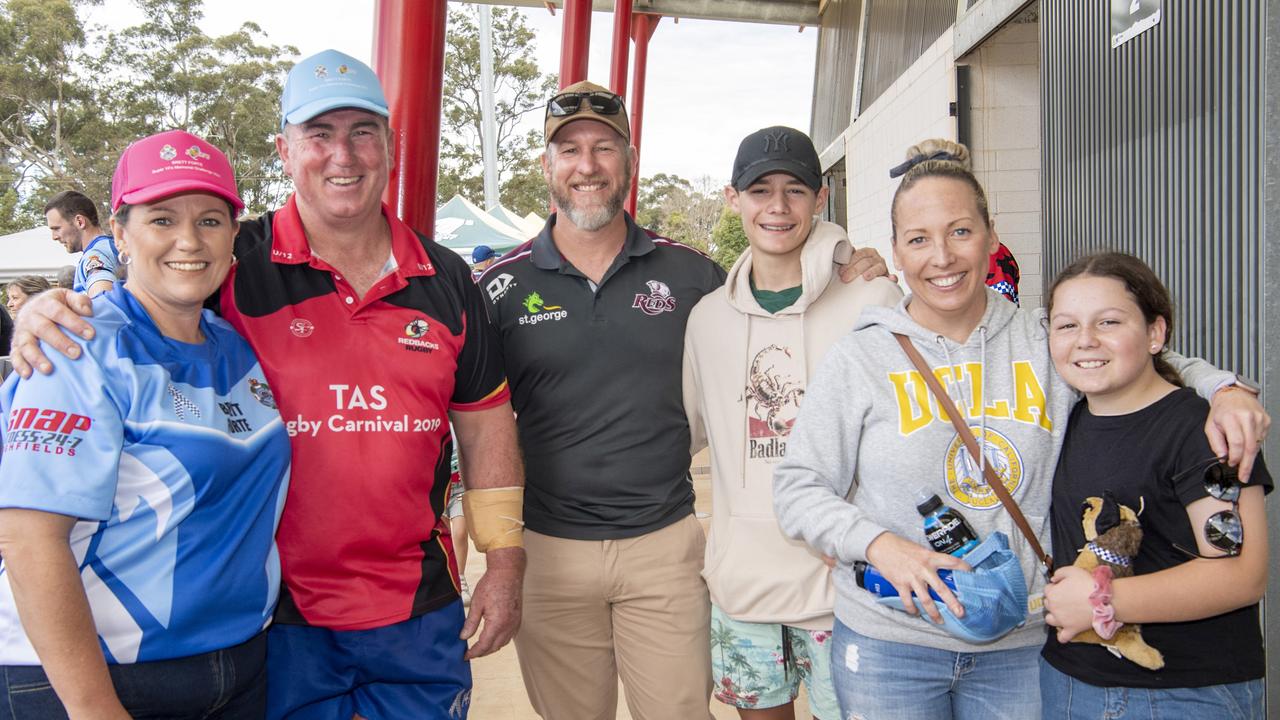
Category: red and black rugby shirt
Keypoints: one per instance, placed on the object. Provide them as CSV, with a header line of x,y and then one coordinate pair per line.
x,y
365,386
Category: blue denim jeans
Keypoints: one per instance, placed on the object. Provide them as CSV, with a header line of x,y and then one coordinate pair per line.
x,y
880,680
225,684
1065,697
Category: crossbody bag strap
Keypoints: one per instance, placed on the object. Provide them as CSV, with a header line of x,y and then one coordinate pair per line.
x,y
966,435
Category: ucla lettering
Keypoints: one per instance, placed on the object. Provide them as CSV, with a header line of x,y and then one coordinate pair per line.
x,y
917,408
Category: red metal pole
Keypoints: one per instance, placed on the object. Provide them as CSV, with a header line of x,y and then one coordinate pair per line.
x,y
621,46
408,55
642,27
575,41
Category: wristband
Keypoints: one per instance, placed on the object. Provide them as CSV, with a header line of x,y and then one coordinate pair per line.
x,y
495,517
1104,615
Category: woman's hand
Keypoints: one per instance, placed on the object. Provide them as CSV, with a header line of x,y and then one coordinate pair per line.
x,y
1066,602
913,568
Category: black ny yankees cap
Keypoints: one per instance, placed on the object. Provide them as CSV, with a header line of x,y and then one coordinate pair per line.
x,y
776,149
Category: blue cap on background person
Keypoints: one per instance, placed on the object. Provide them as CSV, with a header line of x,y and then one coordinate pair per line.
x,y
327,81
482,253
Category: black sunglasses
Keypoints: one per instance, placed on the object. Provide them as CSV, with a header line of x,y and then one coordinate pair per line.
x,y
1223,529
601,103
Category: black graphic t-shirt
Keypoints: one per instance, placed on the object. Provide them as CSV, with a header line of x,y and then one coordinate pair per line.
x,y
1137,457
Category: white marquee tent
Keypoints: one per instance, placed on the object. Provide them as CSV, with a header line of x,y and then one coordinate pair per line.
x,y
32,252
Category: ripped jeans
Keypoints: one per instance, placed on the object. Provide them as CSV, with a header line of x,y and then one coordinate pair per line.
x,y
881,680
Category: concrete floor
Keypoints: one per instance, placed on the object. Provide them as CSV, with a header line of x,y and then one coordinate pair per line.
x,y
499,690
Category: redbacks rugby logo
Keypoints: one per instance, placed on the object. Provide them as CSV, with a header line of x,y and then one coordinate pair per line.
x,y
658,301
414,336
302,327
53,432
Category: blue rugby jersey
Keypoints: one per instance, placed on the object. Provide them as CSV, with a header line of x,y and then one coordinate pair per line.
x,y
98,262
175,460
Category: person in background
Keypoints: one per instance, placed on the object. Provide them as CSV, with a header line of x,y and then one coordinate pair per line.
x,y
66,277
1003,273
481,258
1201,569
73,221
141,486
22,289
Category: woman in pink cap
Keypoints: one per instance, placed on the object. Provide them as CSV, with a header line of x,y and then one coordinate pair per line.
x,y
140,489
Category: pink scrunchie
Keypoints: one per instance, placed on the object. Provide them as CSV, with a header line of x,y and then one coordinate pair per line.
x,y
1104,616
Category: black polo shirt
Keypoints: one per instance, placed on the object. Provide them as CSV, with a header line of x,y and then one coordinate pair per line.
x,y
595,379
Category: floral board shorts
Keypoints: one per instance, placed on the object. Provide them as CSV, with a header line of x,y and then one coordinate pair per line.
x,y
761,665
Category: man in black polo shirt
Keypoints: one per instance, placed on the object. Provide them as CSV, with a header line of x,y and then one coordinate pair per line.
x,y
592,315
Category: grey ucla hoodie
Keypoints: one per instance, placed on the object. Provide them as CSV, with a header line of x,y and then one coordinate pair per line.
x,y
870,435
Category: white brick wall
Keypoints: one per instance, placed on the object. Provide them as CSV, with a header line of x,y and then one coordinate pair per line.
x,y
915,107
1005,102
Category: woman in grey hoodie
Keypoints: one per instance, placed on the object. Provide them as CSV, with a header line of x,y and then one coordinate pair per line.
x,y
870,436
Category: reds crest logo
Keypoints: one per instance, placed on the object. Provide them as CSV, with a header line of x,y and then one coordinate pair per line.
x,y
658,301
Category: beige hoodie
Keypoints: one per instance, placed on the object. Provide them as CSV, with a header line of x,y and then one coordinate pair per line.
x,y
744,377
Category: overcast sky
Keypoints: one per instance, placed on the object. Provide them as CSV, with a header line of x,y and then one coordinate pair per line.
x,y
709,83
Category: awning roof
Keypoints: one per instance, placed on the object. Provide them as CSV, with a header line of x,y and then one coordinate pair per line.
x,y
774,12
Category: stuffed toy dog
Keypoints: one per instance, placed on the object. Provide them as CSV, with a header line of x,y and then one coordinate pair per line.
x,y
1113,535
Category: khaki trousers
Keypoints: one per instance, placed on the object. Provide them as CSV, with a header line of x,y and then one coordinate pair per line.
x,y
637,608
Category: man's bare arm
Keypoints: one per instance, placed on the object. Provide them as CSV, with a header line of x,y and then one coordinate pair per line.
x,y
43,318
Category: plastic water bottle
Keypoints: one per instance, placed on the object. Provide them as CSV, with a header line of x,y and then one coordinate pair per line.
x,y
945,528
870,579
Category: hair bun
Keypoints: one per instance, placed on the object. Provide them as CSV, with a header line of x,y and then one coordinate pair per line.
x,y
958,152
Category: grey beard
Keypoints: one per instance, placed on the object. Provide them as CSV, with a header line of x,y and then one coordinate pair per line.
x,y
593,219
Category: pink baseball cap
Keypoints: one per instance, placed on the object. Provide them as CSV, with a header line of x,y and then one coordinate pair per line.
x,y
169,163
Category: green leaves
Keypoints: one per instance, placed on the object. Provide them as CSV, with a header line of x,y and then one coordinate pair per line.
x,y
520,91
72,97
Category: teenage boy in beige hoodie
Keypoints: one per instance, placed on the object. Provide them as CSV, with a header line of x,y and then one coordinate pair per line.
x,y
749,349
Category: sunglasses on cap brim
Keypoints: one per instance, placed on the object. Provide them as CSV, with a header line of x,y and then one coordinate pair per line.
x,y
1223,529
601,103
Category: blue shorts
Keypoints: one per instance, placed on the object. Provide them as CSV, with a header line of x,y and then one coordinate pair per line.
x,y
413,669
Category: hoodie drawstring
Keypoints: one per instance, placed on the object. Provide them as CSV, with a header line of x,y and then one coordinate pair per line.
x,y
968,393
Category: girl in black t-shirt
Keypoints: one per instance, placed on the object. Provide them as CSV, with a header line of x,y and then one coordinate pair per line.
x,y
1202,565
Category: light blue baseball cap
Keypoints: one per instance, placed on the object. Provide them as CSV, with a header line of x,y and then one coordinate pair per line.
x,y
327,81
994,595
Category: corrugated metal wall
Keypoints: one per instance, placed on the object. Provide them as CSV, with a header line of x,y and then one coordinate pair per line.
x,y
898,34
1154,148
834,71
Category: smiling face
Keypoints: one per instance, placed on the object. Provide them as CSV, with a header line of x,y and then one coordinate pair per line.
x,y
777,213
69,232
942,247
180,250
588,169
339,162
16,299
1100,341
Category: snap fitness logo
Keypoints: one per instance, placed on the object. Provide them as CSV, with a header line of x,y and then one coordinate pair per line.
x,y
51,432
413,334
965,483
658,301
538,311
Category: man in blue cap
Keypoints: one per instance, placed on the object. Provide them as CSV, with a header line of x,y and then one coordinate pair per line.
x,y
374,340
481,258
